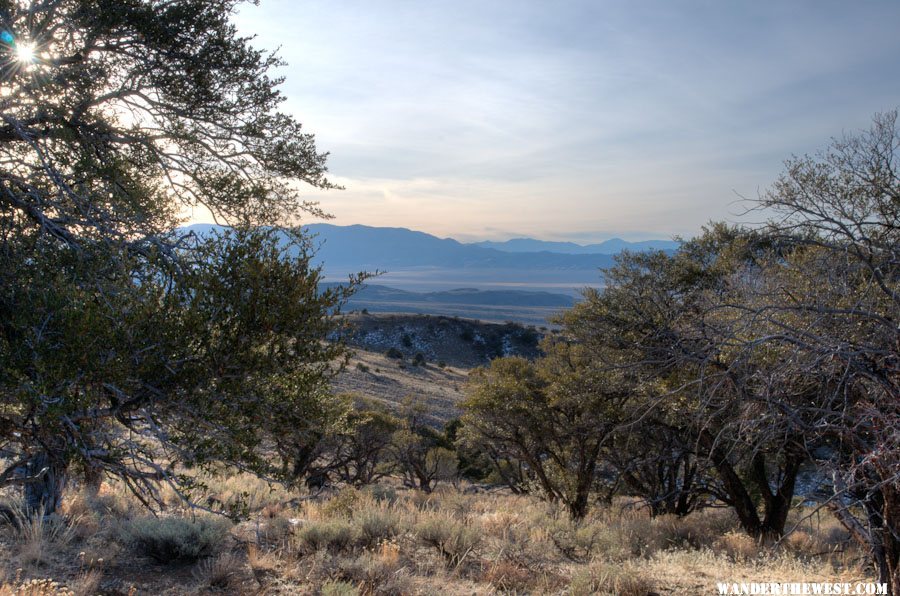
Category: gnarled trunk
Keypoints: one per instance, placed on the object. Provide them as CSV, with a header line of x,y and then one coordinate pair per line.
x,y
43,491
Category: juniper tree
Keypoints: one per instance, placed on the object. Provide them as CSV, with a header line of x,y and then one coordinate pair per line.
x,y
127,348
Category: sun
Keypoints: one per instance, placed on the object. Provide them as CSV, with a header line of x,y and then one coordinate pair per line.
x,y
25,53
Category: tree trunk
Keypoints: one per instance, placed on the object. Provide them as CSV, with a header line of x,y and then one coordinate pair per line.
x,y
43,493
741,501
884,519
777,503
880,534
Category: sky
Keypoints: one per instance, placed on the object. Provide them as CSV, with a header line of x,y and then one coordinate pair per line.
x,y
572,120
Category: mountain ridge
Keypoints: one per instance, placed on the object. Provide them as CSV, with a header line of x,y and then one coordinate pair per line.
x,y
360,247
607,247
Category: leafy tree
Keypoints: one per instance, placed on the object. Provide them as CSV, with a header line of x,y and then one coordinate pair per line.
x,y
652,463
423,456
127,348
473,461
551,418
360,452
421,459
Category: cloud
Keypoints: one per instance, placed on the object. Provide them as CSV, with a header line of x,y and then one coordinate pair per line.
x,y
555,119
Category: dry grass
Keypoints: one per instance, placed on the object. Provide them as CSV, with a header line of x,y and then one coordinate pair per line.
x,y
388,540
385,382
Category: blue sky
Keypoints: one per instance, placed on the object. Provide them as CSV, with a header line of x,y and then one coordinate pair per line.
x,y
572,120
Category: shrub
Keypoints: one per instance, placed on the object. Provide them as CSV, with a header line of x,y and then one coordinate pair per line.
x,y
610,579
529,337
394,353
508,576
339,588
219,572
450,537
35,533
377,524
406,340
419,359
334,536
362,367
175,539
373,574
383,492
342,504
576,540
738,546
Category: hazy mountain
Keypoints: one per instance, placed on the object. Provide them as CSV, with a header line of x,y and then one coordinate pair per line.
x,y
357,247
607,247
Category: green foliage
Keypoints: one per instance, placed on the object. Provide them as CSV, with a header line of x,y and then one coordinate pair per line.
x,y
421,454
175,539
339,588
394,353
549,418
332,535
359,452
342,504
529,337
113,323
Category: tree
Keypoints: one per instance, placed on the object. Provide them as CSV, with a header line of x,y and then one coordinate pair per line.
x,y
551,418
835,304
359,452
423,456
652,463
124,344
664,323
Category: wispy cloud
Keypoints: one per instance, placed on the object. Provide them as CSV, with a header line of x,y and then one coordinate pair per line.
x,y
572,118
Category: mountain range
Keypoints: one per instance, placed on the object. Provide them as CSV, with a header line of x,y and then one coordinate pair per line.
x,y
419,262
607,247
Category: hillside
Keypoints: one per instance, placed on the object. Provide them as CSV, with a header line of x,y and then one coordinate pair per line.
x,y
456,342
358,247
450,348
371,248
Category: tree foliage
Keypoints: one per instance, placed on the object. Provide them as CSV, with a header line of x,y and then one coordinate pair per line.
x,y
127,348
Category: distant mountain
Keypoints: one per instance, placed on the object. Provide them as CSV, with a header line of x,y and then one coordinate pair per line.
x,y
357,247
608,247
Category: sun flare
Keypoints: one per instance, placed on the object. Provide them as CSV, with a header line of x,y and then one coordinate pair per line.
x,y
25,53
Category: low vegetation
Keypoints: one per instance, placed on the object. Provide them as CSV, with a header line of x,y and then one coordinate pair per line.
x,y
386,539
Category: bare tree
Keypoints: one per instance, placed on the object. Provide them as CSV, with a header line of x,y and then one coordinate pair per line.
x,y
835,302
